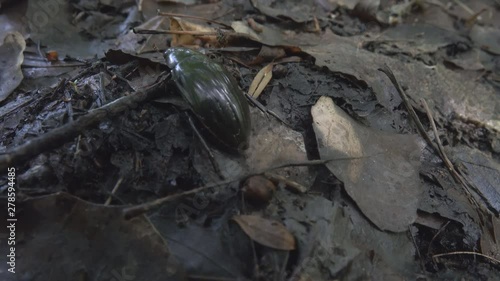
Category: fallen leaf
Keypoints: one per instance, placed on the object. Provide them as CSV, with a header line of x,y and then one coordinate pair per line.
x,y
11,52
447,92
133,43
383,178
267,232
481,170
486,38
490,240
78,239
261,80
179,24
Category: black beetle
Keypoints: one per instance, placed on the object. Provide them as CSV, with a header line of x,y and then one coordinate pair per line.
x,y
213,96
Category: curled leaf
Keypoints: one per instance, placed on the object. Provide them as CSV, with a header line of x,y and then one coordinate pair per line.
x,y
261,80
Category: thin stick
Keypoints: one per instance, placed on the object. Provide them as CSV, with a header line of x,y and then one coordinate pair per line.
x,y
163,31
137,210
466,185
436,235
193,17
422,267
441,151
54,65
117,185
407,104
61,135
40,51
211,156
492,259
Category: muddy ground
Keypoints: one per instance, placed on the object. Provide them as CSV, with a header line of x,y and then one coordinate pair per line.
x,y
373,154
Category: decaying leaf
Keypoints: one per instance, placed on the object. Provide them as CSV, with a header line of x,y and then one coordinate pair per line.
x,y
55,26
490,240
447,92
183,2
11,52
486,38
298,11
134,43
269,233
481,170
383,179
244,28
261,80
179,24
273,144
76,240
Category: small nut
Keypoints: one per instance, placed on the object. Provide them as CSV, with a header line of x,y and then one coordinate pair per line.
x,y
258,190
52,56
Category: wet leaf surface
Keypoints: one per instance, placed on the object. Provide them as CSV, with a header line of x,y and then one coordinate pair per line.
x,y
51,23
298,11
453,98
11,75
266,232
383,181
202,251
78,239
486,39
386,216
482,171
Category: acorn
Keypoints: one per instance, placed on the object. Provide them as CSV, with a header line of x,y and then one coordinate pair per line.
x,y
258,190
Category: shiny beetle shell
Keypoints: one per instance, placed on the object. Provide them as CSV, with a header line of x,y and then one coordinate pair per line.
x,y
213,95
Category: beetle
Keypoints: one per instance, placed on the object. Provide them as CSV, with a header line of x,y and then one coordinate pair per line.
x,y
213,96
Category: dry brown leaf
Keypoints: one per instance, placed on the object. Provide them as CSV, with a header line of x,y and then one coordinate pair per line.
x,y
384,183
267,232
261,80
178,24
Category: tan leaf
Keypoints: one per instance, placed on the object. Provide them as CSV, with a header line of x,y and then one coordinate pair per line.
x,y
261,80
267,232
179,24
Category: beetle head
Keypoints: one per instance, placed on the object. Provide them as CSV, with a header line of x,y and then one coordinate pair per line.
x,y
174,56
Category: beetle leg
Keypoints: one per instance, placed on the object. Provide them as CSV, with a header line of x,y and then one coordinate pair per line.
x,y
204,143
256,103
265,110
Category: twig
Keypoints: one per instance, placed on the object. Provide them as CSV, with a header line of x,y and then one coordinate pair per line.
x,y
440,149
69,106
408,106
38,49
492,259
211,156
136,210
456,174
422,267
117,185
465,7
163,31
436,235
466,185
193,17
59,136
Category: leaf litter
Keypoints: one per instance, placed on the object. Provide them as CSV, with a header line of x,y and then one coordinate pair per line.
x,y
384,179
388,208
